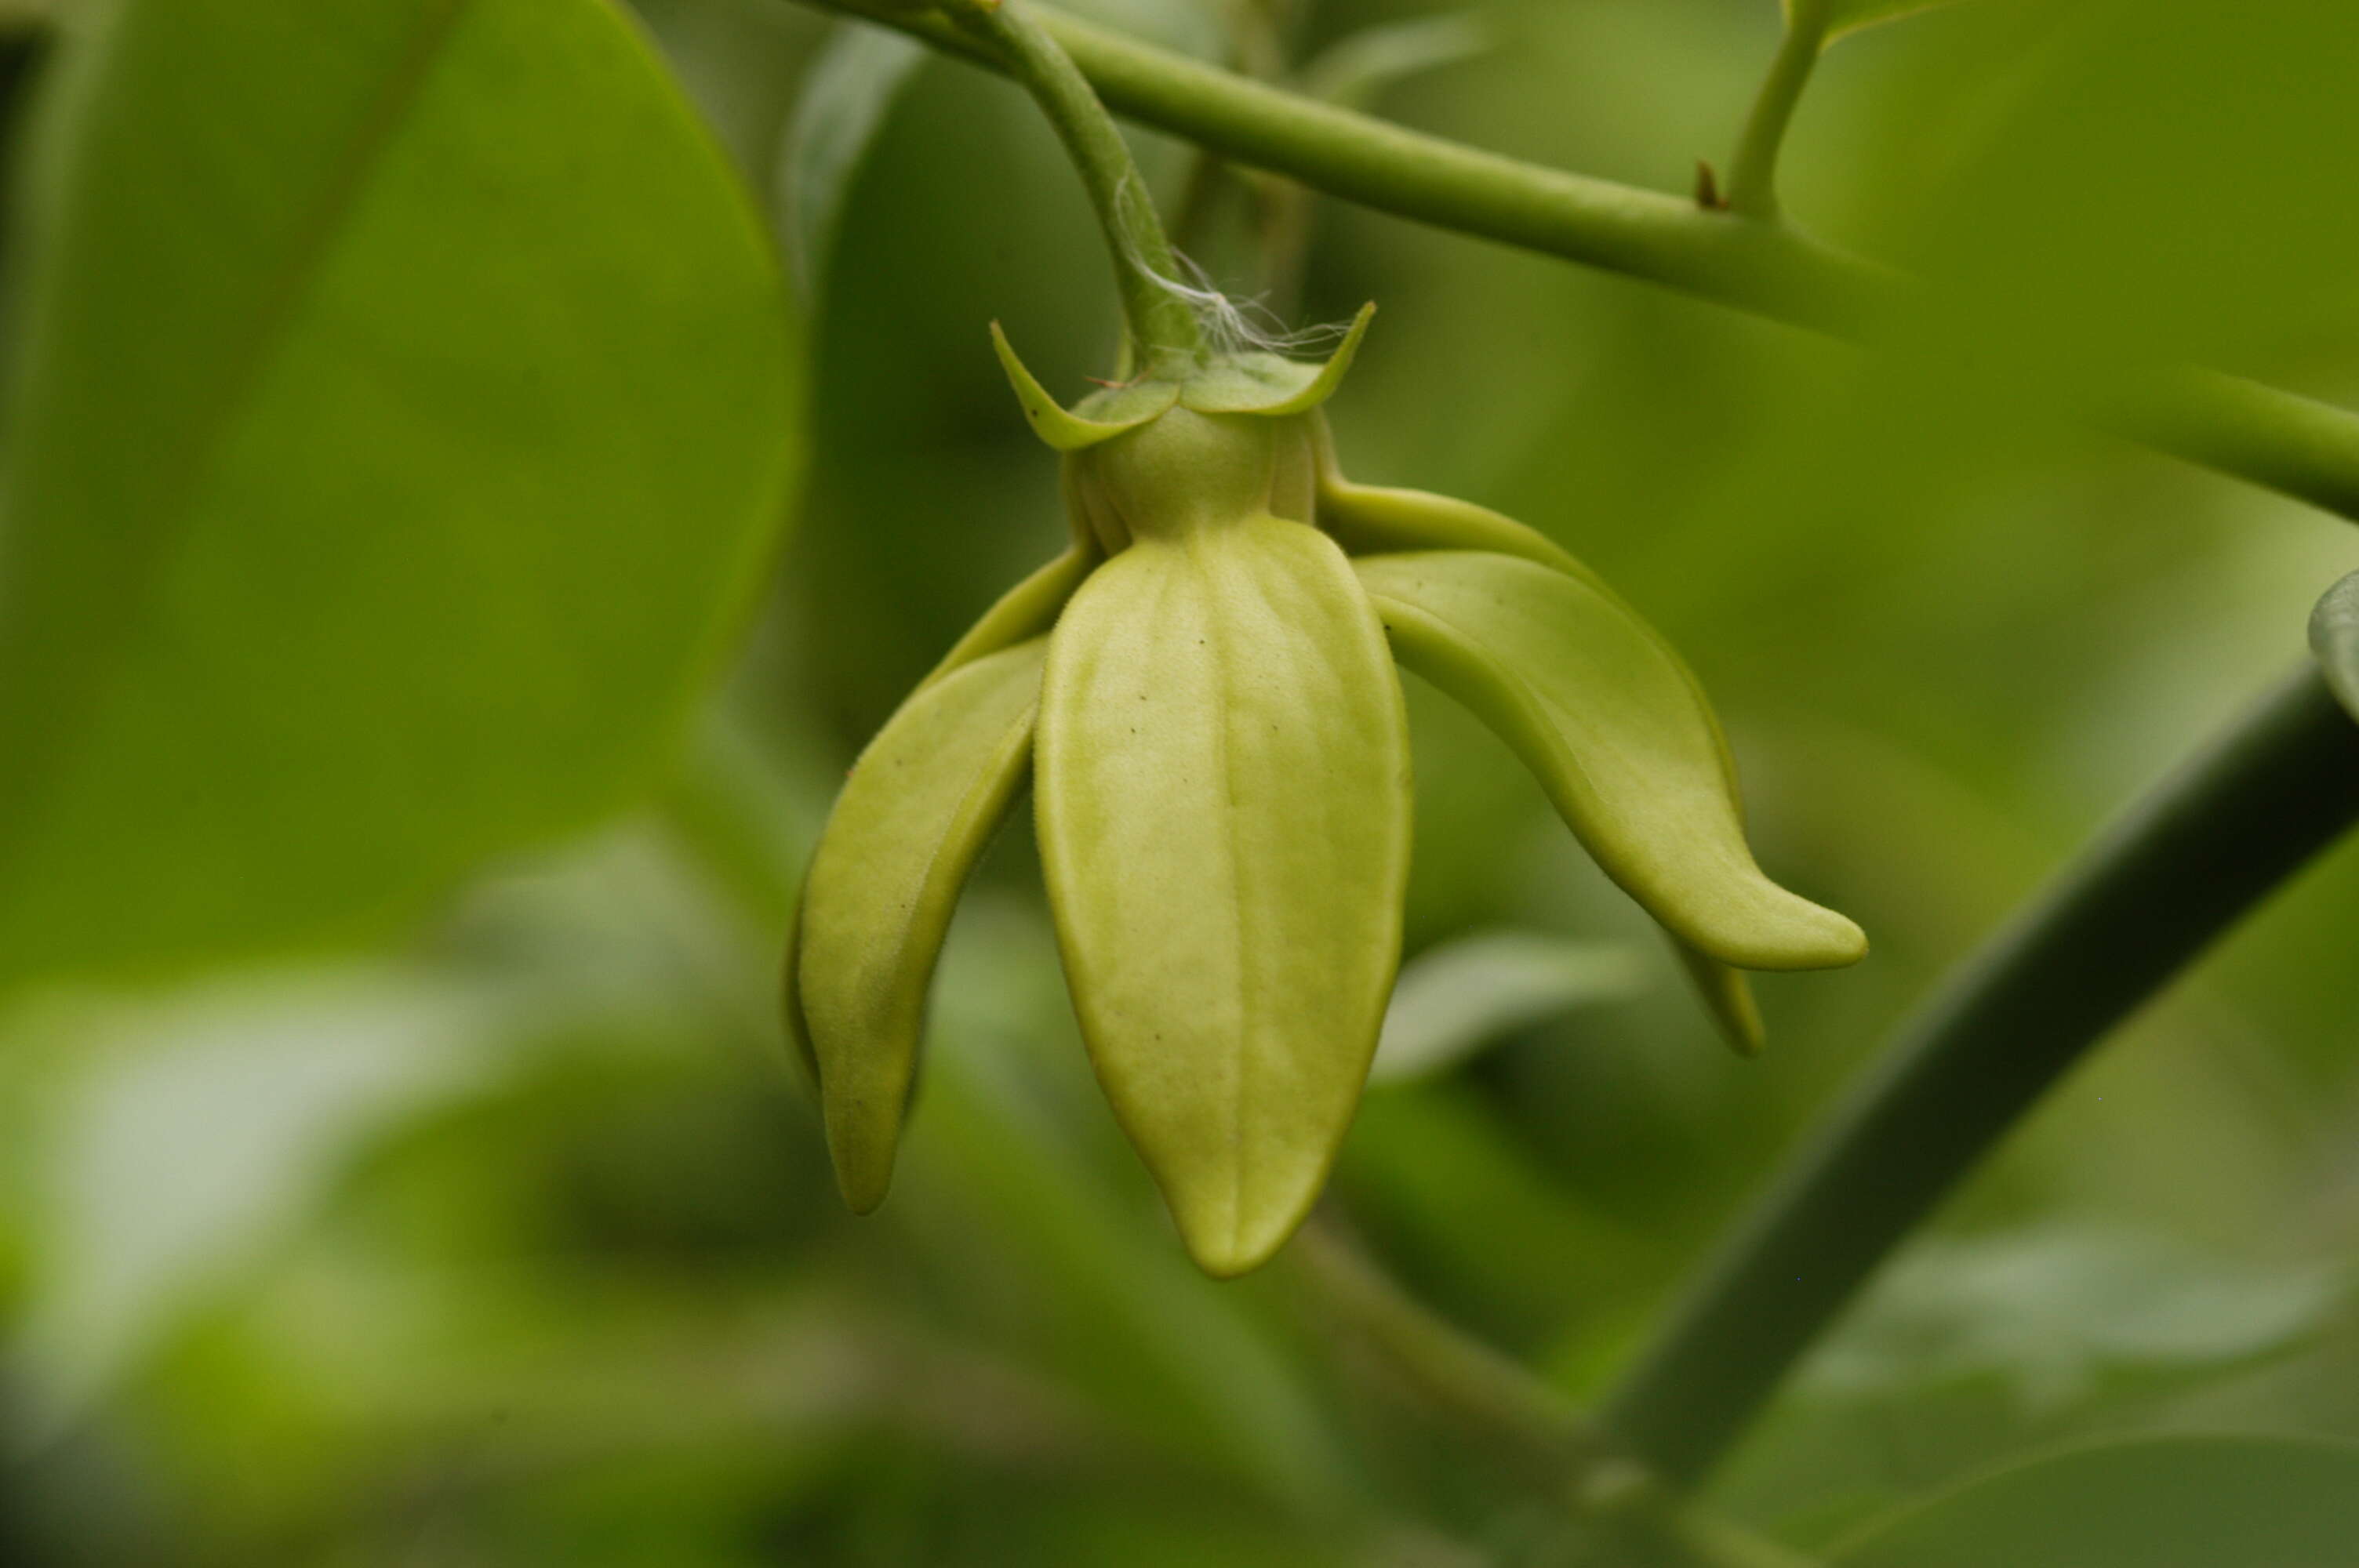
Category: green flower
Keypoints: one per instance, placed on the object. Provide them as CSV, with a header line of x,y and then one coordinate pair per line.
x,y
1201,693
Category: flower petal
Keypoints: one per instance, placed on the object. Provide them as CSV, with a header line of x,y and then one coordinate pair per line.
x,y
920,804
1024,611
799,1027
1725,995
1601,709
1367,520
1223,812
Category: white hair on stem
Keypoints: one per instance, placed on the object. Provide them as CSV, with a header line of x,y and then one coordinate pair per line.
x,y
1234,326
1230,325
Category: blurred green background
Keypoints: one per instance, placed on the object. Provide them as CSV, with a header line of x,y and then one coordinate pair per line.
x,y
517,1244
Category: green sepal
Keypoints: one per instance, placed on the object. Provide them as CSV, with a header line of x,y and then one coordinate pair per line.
x,y
1601,709
1223,810
2334,640
1023,612
1128,404
1271,385
920,806
1070,432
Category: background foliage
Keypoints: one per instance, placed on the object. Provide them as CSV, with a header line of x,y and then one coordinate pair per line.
x,y
510,1238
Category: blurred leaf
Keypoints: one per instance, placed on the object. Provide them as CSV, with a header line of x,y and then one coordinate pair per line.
x,y
1353,69
846,96
1189,26
404,420
1849,15
216,1120
2158,1502
1454,1000
2090,237
2048,1311
2334,638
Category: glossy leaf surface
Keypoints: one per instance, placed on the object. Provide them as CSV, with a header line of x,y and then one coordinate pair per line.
x,y
2156,1502
1224,817
1602,710
403,421
920,806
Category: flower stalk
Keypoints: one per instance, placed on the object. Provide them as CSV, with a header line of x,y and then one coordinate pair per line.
x,y
2276,439
1162,327
1753,176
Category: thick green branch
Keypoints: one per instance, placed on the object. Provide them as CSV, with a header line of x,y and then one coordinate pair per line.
x,y
2304,449
2180,868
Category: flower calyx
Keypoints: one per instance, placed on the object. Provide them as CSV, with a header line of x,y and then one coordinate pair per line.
x,y
1201,694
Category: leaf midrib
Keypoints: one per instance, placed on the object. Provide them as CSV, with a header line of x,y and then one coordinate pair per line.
x,y
74,709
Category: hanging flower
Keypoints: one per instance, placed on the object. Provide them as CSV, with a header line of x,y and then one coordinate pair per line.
x,y
1201,693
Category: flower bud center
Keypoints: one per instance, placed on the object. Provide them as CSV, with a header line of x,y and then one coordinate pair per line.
x,y
1185,470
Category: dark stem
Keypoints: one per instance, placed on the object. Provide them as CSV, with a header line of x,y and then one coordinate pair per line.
x,y
2182,866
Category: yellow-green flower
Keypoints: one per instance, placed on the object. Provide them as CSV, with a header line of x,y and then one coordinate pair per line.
x,y
1200,691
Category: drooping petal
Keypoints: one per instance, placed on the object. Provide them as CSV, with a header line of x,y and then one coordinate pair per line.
x,y
920,807
798,1027
1726,995
1023,612
1368,519
1600,707
1224,810
1371,520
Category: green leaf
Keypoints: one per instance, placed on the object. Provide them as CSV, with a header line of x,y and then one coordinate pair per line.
x,y
1604,713
920,806
2334,638
847,94
1223,818
2155,1502
404,421
209,1122
1457,998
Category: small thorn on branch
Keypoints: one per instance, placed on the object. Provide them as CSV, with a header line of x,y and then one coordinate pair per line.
x,y
1707,189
